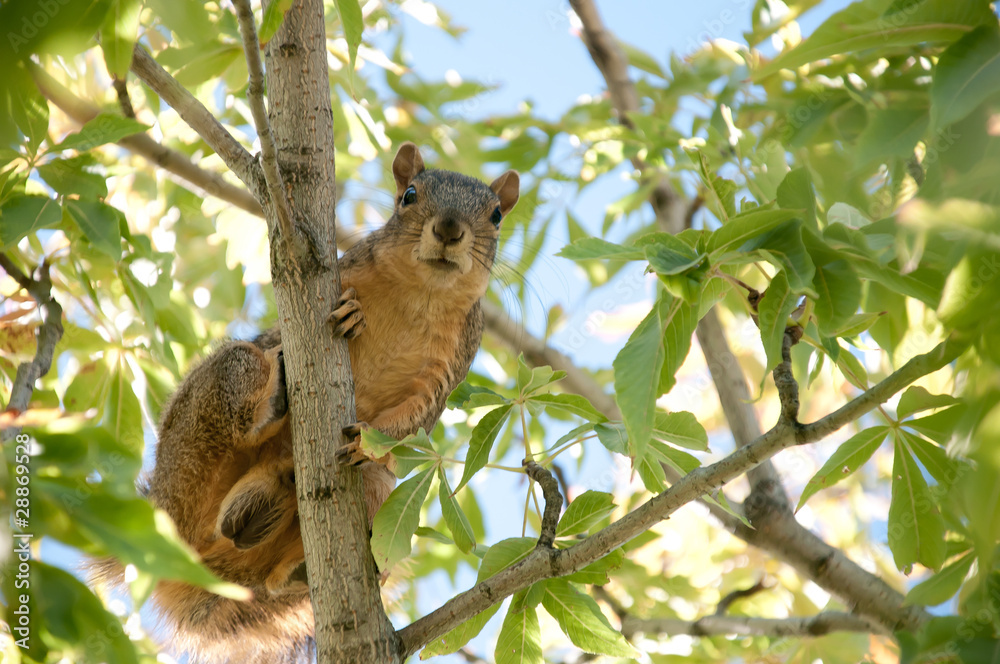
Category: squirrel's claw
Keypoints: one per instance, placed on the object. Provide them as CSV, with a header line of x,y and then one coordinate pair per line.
x,y
348,319
351,453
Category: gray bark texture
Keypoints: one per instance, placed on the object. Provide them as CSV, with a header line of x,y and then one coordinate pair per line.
x,y
351,624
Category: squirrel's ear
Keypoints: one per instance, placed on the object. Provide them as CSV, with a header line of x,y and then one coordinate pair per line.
x,y
506,187
407,165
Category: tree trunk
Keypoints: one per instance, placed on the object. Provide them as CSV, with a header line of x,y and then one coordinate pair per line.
x,y
351,624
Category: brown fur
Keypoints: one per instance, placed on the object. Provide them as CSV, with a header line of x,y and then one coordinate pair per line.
x,y
224,472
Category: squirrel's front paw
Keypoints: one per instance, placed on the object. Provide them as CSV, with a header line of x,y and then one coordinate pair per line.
x,y
347,319
351,454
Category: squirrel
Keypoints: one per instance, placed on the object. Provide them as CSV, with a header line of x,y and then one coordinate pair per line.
x,y
411,315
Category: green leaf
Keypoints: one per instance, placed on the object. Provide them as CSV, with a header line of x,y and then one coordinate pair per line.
x,y
666,261
530,379
590,248
503,554
353,22
774,309
853,370
916,399
681,428
650,469
916,527
934,459
473,396
839,291
87,386
637,378
459,636
274,16
586,510
397,520
70,177
942,586
967,73
104,128
122,416
857,324
581,619
29,110
850,456
679,322
377,442
613,436
118,35
941,426
596,573
680,461
796,193
130,530
408,458
519,641
199,63
642,60
23,215
100,223
876,25
741,228
481,442
454,517
570,403
892,132
784,248
965,302
64,608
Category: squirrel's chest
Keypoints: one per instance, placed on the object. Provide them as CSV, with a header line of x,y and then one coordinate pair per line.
x,y
407,337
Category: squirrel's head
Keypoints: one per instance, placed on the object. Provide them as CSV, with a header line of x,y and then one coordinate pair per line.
x,y
448,223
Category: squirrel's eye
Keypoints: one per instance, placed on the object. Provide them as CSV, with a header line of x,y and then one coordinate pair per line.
x,y
410,196
496,217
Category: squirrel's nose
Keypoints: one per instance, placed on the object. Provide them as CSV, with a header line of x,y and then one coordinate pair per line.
x,y
448,231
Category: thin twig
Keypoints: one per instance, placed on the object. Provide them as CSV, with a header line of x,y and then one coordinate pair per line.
x,y
818,625
199,118
255,98
607,54
124,101
553,501
48,335
784,380
542,564
729,599
174,162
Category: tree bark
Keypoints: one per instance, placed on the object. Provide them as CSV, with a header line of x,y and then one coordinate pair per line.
x,y
351,624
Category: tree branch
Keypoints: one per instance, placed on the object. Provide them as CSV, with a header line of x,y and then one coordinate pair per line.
x,y
172,161
784,380
553,501
540,564
669,206
350,622
818,625
199,118
48,335
255,98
